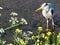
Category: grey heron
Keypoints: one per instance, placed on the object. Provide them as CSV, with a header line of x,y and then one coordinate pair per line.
x,y
48,11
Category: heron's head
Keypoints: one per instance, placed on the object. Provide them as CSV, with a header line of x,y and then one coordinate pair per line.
x,y
42,6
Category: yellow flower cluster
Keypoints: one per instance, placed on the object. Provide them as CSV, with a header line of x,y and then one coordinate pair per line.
x,y
53,44
18,31
58,36
22,42
58,33
59,40
49,33
38,40
10,44
39,28
33,37
47,44
42,35
46,37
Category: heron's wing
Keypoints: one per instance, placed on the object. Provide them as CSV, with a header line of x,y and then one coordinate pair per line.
x,y
52,11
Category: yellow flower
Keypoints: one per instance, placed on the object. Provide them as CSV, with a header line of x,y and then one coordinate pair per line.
x,y
46,44
22,42
42,35
53,44
37,44
58,36
10,44
39,28
33,37
46,37
18,31
49,33
38,40
59,33
59,40
37,36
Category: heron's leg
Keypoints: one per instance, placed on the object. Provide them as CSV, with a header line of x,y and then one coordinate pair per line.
x,y
47,23
53,23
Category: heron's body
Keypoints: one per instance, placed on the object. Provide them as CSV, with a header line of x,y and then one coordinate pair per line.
x,y
48,11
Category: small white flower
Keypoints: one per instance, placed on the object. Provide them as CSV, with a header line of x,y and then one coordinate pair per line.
x,y
27,38
30,32
24,34
21,22
1,7
17,39
2,30
14,14
24,21
17,21
4,42
10,20
13,22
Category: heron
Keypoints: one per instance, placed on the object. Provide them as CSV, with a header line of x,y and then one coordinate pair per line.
x,y
48,11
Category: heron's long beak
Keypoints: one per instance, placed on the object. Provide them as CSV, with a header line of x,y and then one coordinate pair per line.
x,y
39,9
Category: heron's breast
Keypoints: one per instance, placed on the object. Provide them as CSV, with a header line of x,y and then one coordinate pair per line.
x,y
46,14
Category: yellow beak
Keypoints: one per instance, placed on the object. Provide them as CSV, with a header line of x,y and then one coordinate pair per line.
x,y
38,9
